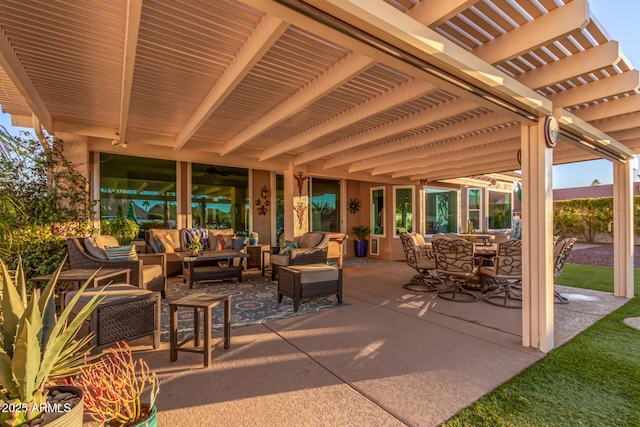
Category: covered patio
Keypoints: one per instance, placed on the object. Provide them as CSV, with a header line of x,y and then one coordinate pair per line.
x,y
376,94
391,357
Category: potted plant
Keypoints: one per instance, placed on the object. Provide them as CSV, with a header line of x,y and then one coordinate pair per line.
x,y
195,247
360,244
123,229
253,238
116,392
37,349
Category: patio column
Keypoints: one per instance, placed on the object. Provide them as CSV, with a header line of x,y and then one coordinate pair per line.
x,y
623,232
537,233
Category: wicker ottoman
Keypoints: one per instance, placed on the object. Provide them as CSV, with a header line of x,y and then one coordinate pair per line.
x,y
127,312
309,281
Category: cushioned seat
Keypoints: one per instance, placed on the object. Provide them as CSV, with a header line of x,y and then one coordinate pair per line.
x,y
127,312
310,248
309,281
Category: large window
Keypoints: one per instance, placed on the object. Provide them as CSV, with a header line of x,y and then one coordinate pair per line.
x,y
377,211
441,211
144,188
474,207
279,207
499,210
403,202
219,197
325,204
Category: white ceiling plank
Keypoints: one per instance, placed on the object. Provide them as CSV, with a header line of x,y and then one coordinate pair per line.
x,y
430,115
603,88
604,110
363,159
554,25
263,37
435,12
581,63
132,29
345,70
16,72
399,95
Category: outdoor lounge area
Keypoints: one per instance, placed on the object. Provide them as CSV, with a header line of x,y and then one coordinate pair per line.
x,y
389,357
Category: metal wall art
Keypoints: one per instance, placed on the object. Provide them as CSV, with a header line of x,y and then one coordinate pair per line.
x,y
263,203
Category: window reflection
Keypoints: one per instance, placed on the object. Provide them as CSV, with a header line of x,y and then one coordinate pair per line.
x,y
441,211
404,210
377,211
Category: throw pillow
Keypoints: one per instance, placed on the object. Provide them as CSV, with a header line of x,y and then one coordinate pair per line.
x,y
169,245
155,245
95,245
220,243
189,235
126,252
238,243
287,247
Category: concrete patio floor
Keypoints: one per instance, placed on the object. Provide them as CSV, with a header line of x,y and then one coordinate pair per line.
x,y
391,357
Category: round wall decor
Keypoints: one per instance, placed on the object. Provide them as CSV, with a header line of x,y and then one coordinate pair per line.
x,y
551,131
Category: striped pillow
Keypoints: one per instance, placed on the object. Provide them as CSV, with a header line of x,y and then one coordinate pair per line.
x,y
127,252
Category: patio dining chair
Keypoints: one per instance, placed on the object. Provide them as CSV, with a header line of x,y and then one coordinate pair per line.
x,y
422,259
506,273
561,252
455,266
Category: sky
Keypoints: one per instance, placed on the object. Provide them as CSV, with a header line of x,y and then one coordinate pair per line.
x,y
619,18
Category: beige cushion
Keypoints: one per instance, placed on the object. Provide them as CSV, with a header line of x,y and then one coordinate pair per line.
x,y
213,236
426,264
113,292
314,273
310,240
419,239
175,236
280,260
95,245
151,272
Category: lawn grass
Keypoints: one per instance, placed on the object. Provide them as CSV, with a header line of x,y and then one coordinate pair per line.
x,y
593,380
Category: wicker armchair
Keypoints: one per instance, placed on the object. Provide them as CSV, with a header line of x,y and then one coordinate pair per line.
x,y
148,272
506,273
423,260
312,248
455,266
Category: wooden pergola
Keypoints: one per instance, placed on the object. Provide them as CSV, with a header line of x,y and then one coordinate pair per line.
x,y
396,91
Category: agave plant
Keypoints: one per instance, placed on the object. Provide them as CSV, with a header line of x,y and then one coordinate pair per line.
x,y
35,347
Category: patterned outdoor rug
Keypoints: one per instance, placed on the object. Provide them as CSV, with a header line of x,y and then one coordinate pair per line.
x,y
253,301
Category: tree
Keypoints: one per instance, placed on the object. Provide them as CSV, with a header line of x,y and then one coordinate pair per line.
x,y
595,182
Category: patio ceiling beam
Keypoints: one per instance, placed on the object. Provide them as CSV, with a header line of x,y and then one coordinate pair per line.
x,y
430,115
17,74
266,33
627,134
576,65
132,29
603,88
556,24
366,158
604,110
442,148
105,132
618,123
340,73
435,12
399,95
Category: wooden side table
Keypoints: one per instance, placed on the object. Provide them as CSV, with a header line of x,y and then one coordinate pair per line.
x,y
256,256
204,302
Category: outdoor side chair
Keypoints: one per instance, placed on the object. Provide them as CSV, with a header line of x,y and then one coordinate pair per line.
x,y
312,248
423,260
506,273
455,266
561,252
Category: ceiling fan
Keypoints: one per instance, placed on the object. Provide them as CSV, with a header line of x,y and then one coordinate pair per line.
x,y
211,172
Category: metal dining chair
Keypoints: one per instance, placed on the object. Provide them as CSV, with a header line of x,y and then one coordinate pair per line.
x,y
455,266
421,259
506,273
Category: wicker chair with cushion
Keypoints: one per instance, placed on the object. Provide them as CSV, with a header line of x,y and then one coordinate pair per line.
x,y
310,248
455,266
147,272
422,260
506,273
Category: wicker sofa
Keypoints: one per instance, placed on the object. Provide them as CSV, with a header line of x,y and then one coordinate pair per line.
x,y
174,264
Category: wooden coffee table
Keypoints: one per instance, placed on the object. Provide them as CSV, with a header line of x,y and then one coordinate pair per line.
x,y
205,266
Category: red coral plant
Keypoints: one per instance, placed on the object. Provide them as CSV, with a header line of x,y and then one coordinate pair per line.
x,y
115,386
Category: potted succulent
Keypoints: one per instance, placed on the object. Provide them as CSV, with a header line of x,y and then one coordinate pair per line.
x,y
37,349
116,392
360,244
253,238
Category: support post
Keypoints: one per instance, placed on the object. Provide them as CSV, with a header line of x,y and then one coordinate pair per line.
x,y
537,234
623,232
